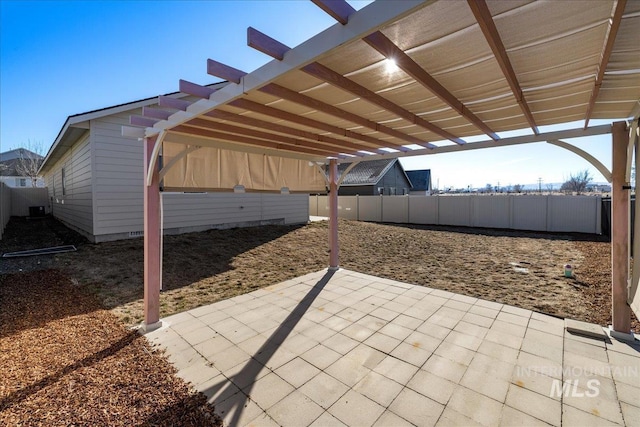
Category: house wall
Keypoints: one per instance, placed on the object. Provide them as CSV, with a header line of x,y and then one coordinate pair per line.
x,y
118,177
363,190
118,196
581,214
395,182
74,207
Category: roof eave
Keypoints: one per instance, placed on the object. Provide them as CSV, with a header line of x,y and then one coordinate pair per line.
x,y
103,112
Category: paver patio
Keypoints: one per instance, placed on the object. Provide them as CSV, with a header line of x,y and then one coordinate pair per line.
x,y
345,348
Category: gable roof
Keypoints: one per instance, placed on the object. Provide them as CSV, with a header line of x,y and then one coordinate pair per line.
x,y
18,153
420,179
366,173
9,167
10,160
77,125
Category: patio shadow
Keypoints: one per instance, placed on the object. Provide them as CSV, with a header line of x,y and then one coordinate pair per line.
x,y
250,371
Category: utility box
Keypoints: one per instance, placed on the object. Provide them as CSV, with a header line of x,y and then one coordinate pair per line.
x,y
36,211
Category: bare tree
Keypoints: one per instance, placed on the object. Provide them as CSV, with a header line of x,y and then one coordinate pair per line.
x,y
29,162
550,188
577,183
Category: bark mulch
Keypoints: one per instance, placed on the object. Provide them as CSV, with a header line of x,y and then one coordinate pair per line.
x,y
65,361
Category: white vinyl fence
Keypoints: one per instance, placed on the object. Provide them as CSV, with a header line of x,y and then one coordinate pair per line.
x,y
5,206
23,198
581,214
16,202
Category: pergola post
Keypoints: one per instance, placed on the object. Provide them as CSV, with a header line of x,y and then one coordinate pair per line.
x,y
620,313
152,253
334,249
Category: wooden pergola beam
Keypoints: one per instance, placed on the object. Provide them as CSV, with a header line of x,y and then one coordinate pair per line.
x,y
191,130
604,59
195,89
305,121
488,26
299,98
265,44
223,127
177,104
225,72
336,79
250,121
339,10
156,113
389,50
142,121
275,49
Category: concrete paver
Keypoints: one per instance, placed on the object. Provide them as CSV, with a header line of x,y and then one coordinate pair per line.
x,y
361,350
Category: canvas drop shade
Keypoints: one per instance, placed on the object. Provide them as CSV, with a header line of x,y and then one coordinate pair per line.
x,y
210,168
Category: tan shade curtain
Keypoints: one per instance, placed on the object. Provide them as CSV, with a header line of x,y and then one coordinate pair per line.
x,y
215,168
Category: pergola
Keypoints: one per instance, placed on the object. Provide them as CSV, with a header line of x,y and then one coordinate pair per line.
x,y
406,78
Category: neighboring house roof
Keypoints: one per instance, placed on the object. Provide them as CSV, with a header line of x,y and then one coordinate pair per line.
x,y
366,173
18,153
8,168
420,179
78,124
9,161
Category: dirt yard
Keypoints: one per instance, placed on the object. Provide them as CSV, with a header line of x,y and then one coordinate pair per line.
x,y
65,361
517,268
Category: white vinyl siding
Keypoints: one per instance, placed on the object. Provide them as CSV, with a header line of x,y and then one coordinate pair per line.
x,y
207,210
118,186
118,176
74,207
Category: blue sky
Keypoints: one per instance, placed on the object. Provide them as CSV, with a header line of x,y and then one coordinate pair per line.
x,y
63,58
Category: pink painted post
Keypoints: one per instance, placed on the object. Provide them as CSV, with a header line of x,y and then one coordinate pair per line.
x,y
620,313
334,249
152,253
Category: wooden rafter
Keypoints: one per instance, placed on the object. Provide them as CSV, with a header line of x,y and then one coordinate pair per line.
x,y
266,44
195,89
168,102
142,121
223,127
338,10
305,121
155,113
223,71
190,130
275,127
299,98
604,59
336,79
389,50
488,26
